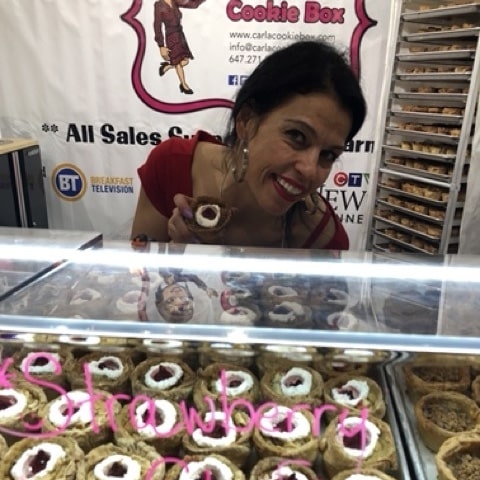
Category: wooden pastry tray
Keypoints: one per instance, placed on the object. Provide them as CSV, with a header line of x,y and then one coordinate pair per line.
x,y
420,458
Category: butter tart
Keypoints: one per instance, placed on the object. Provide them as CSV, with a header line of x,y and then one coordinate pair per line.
x,y
354,393
210,216
163,378
222,435
278,468
225,382
292,385
285,432
155,422
459,457
441,415
213,466
345,444
362,474
424,377
476,389
48,459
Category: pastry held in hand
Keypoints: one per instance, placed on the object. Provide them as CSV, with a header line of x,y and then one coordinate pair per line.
x,y
46,459
210,215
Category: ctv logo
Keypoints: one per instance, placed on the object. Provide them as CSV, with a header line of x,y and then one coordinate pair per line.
x,y
342,179
69,182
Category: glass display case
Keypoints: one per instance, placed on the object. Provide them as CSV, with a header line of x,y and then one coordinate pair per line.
x,y
273,364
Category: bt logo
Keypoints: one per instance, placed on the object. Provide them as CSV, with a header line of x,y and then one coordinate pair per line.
x,y
342,179
69,182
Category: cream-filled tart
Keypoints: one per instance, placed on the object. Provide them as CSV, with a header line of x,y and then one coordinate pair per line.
x,y
330,367
128,305
422,378
223,434
353,441
286,432
86,418
274,293
292,385
44,365
106,371
163,378
441,415
158,423
362,474
213,466
210,216
225,382
237,296
281,356
43,459
459,457
241,315
287,315
109,462
20,406
278,468
354,393
242,355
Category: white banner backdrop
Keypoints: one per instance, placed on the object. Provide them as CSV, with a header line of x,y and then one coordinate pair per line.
x,y
83,78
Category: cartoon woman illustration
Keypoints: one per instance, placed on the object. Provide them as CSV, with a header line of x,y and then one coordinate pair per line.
x,y
173,45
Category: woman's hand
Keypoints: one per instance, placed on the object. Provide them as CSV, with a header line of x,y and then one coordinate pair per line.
x,y
177,228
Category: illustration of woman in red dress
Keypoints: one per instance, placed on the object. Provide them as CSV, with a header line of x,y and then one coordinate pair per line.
x,y
173,45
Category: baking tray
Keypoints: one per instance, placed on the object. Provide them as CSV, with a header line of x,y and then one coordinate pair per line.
x,y
466,54
421,216
442,34
419,171
435,97
434,117
417,154
440,137
434,77
441,12
412,195
407,246
406,229
421,458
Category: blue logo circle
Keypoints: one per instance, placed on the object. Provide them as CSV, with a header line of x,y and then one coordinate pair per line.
x,y
69,182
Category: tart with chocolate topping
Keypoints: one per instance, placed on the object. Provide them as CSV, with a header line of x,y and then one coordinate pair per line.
x,y
278,468
48,459
351,440
210,216
459,457
441,415
292,385
163,378
354,393
157,423
213,467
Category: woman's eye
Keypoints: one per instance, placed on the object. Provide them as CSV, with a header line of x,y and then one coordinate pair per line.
x,y
297,137
328,156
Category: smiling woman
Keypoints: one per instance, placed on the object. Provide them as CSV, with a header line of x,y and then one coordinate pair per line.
x,y
290,122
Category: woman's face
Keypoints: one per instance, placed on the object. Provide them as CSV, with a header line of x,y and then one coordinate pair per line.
x,y
177,300
293,149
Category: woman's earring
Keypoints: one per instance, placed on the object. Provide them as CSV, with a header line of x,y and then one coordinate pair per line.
x,y
316,203
240,176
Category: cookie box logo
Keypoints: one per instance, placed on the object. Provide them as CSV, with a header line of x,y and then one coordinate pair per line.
x,y
69,182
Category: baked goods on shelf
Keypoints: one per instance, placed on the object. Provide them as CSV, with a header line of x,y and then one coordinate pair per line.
x,y
459,457
441,415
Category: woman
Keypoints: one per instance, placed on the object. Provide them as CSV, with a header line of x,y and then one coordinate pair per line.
x,y
173,45
289,124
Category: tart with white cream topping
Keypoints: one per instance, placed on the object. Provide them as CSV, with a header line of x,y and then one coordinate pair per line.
x,y
210,216
287,315
354,393
227,436
225,381
213,467
81,416
158,378
355,439
285,432
278,468
43,459
362,474
292,385
242,355
157,423
241,315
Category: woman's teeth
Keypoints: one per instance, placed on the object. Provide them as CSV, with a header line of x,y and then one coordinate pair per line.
x,y
288,187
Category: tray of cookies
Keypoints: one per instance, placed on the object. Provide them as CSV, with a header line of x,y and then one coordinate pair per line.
x,y
437,55
406,241
429,11
434,76
444,32
441,97
436,405
427,150
420,131
417,209
440,171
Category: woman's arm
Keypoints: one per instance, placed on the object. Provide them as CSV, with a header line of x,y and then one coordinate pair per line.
x,y
149,221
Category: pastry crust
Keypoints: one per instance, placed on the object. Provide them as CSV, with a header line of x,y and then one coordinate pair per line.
x,y
370,473
441,415
336,458
214,207
373,399
266,468
458,457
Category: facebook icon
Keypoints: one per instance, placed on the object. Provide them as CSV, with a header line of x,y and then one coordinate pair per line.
x,y
233,79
